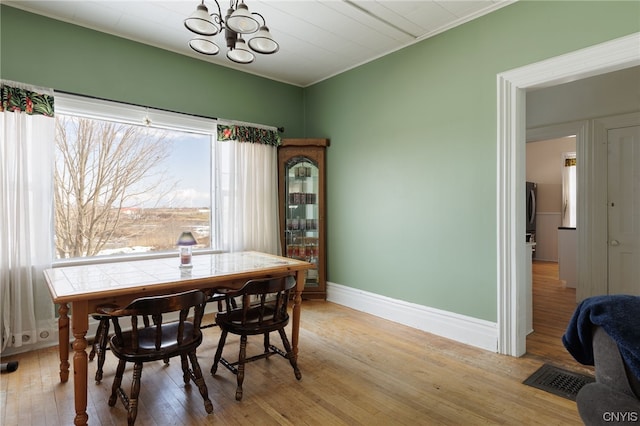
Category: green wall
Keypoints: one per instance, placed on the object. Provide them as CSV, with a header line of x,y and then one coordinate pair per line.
x,y
50,53
412,164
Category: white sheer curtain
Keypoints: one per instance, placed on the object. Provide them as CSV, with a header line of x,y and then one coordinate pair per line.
x,y
27,129
246,185
569,190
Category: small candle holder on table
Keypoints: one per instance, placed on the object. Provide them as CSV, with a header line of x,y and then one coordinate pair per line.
x,y
185,244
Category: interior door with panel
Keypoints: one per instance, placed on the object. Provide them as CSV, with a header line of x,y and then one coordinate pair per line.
x,y
624,210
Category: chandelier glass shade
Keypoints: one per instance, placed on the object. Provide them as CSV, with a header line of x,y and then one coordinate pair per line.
x,y
240,53
237,22
204,44
241,20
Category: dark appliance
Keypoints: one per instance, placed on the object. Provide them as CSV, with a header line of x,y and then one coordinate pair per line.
x,y
531,211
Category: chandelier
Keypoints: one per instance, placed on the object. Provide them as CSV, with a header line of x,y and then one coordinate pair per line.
x,y
237,22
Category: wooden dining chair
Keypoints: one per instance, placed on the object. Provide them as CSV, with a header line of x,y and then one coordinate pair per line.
x,y
218,299
262,311
101,340
157,341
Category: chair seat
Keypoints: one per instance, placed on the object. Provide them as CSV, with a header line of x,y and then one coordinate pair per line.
x,y
147,350
255,322
100,317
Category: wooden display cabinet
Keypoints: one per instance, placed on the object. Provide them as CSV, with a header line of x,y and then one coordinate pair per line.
x,y
301,188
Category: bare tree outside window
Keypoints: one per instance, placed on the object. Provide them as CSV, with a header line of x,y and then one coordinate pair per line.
x,y
113,189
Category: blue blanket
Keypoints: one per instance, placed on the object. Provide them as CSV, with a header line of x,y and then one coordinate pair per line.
x,y
618,315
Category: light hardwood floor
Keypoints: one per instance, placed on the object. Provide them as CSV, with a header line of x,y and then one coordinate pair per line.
x,y
356,370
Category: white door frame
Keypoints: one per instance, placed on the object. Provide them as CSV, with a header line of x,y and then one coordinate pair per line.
x,y
603,58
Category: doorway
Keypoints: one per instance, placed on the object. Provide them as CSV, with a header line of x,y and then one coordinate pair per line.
x,y
606,57
546,167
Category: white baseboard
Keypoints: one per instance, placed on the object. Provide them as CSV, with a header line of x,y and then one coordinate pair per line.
x,y
464,329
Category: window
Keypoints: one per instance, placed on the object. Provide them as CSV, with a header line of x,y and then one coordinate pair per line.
x,y
569,189
129,180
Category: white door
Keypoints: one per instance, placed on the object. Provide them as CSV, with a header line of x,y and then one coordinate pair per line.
x,y
624,210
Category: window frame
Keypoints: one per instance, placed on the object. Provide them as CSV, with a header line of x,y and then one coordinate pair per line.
x,y
101,109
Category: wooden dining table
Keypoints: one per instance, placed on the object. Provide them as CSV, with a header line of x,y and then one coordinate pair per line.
x,y
83,287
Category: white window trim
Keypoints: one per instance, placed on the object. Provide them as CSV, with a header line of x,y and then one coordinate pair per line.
x,y
132,114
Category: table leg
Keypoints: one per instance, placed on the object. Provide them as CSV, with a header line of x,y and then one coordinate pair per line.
x,y
80,321
63,341
297,301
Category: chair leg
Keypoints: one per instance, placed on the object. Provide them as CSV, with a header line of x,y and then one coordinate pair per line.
x,y
117,382
290,355
103,338
241,362
266,343
94,349
202,387
216,358
185,369
135,393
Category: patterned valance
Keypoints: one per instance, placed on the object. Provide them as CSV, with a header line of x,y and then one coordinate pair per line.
x,y
569,162
248,134
15,99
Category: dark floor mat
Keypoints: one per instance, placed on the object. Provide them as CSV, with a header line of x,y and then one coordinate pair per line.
x,y
558,381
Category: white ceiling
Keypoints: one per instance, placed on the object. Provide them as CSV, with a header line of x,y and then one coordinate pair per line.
x,y
318,39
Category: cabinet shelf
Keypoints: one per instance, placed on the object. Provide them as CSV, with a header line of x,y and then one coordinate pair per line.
x,y
299,229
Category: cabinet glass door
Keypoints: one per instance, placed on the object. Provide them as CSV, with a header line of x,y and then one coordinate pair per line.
x,y
301,233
